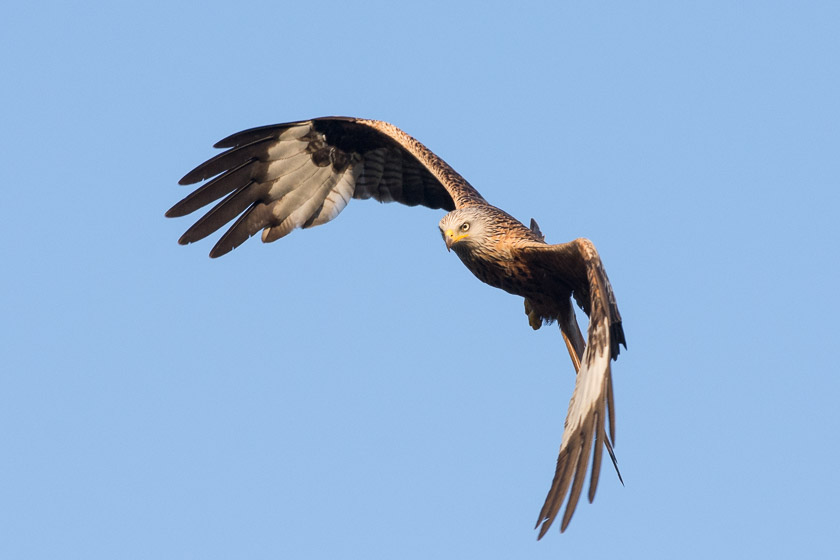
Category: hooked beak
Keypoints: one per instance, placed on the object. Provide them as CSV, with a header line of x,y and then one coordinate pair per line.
x,y
450,238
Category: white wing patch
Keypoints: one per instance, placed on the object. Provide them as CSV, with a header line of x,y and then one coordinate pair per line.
x,y
296,132
338,197
591,382
303,193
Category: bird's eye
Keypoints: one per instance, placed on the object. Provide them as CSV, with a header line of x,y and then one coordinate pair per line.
x,y
465,226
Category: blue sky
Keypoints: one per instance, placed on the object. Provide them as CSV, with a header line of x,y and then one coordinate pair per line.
x,y
351,390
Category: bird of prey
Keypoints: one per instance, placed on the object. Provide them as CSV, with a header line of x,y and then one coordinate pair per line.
x,y
302,174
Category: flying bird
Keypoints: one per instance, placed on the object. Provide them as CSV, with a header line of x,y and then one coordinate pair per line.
x,y
302,174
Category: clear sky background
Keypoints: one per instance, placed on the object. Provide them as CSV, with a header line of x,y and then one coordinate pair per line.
x,y
352,391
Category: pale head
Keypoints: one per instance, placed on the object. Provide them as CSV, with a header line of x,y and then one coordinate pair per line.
x,y
463,228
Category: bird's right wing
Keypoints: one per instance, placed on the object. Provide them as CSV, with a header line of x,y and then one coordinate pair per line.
x,y
302,174
577,265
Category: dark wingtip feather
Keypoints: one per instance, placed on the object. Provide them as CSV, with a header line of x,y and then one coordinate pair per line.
x,y
546,525
253,134
559,486
600,435
195,175
225,142
617,339
543,531
227,160
182,208
231,141
580,473
614,460
231,180
245,136
255,218
225,246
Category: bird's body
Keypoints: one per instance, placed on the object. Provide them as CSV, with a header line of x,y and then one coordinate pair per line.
x,y
496,259
302,174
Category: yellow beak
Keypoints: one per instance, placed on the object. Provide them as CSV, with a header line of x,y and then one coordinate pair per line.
x,y
450,238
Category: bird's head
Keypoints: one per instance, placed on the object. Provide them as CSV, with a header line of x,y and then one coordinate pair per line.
x,y
462,228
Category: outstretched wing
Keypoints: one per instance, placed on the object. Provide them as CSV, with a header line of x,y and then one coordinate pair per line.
x,y
578,265
302,174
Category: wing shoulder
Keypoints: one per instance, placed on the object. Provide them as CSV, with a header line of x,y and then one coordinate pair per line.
x,y
578,265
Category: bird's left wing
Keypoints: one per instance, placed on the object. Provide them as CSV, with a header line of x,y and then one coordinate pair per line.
x,y
302,174
577,265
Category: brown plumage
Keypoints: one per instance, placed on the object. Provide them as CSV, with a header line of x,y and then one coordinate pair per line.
x,y
302,174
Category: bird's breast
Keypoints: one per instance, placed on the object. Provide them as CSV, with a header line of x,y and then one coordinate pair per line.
x,y
499,270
